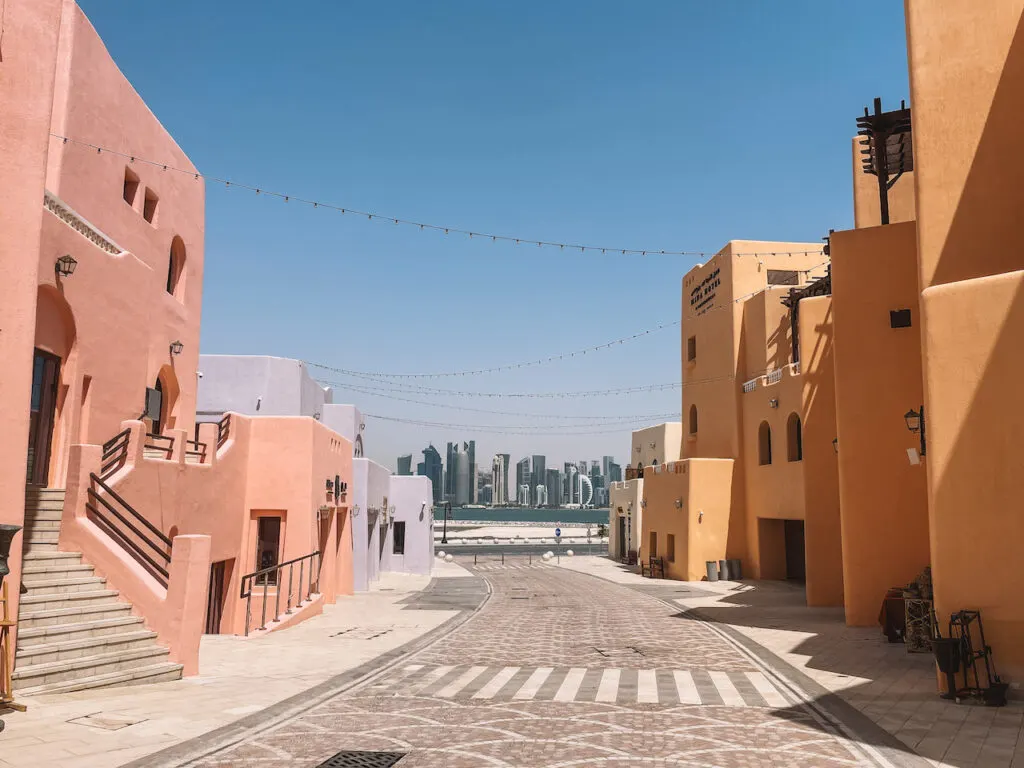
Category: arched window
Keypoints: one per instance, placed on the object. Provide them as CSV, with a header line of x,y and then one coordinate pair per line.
x,y
764,444
693,419
794,438
176,267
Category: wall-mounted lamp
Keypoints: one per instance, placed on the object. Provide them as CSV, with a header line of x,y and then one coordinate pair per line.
x,y
629,506
330,485
835,444
176,347
65,266
643,503
679,503
316,415
916,424
773,403
700,516
355,511
391,509
652,445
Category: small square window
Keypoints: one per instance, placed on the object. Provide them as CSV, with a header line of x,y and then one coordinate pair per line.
x,y
899,318
691,349
131,186
149,206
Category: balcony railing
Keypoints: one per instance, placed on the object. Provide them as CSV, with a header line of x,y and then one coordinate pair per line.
x,y
139,537
223,430
773,377
750,386
160,443
195,452
273,576
632,473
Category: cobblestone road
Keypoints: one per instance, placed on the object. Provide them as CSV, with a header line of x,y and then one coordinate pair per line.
x,y
560,669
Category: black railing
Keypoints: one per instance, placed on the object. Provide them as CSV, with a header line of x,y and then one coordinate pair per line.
x,y
115,454
272,576
223,430
154,441
195,448
142,540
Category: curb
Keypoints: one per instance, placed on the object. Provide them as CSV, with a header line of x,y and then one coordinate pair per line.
x,y
219,739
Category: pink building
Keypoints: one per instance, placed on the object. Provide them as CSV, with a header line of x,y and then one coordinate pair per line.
x,y
139,527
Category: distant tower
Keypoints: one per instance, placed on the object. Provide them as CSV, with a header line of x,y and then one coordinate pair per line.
x,y
524,494
541,495
584,481
499,494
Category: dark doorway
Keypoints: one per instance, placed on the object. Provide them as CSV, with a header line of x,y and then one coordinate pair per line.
x,y
215,601
622,538
43,407
155,408
268,547
795,564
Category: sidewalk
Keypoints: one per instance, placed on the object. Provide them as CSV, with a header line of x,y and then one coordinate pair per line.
x,y
895,689
112,726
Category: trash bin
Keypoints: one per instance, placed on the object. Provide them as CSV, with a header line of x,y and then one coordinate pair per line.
x,y
723,570
712,568
735,569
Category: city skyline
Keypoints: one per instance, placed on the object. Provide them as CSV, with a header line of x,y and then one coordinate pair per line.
x,y
463,481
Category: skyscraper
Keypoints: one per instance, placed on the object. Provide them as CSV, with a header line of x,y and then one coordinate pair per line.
x,y
499,475
539,476
567,485
554,484
405,464
470,449
463,481
523,478
431,467
606,464
449,473
614,473
510,492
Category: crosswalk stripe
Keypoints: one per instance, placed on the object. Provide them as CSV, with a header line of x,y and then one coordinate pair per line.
x,y
730,696
496,684
647,687
460,682
608,690
768,691
431,677
533,684
571,685
686,688
414,668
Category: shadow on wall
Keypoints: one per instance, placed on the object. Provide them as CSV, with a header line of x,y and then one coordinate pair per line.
x,y
780,342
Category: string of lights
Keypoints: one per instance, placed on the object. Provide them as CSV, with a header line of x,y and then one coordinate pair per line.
x,y
497,368
374,393
423,226
505,431
395,387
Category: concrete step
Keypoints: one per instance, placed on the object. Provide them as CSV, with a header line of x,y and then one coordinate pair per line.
x,y
31,574
33,525
87,666
36,492
45,653
45,504
155,453
153,673
44,514
40,546
50,600
42,537
72,630
50,558
62,586
37,617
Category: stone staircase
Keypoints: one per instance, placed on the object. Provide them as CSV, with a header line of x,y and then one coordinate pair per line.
x,y
74,632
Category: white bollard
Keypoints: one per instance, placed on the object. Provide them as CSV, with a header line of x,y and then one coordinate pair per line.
x,y
441,554
568,553
448,558
549,554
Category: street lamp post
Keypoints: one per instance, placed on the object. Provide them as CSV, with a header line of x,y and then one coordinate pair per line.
x,y
447,514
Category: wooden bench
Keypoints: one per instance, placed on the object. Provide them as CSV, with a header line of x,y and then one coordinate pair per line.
x,y
653,568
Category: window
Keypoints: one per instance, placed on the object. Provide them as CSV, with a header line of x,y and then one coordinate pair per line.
x,y
783,277
794,438
398,537
693,419
149,206
899,318
175,266
131,186
691,349
764,444
653,545
670,548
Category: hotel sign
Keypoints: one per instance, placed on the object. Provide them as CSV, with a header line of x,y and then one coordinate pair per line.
x,y
703,294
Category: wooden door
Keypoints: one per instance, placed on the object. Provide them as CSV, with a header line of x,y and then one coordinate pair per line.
x,y
43,407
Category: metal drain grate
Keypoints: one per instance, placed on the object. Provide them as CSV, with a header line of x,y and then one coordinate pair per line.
x,y
362,760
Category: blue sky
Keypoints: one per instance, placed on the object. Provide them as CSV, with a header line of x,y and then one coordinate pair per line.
x,y
665,125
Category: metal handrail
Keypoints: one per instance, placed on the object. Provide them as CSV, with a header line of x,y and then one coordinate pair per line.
x,y
253,579
200,450
169,448
159,570
223,430
115,453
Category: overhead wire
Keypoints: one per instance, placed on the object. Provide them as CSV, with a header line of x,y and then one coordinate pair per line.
x,y
446,229
416,389
489,430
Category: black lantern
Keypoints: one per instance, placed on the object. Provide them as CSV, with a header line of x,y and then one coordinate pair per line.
x,y
330,485
176,347
65,266
835,444
916,424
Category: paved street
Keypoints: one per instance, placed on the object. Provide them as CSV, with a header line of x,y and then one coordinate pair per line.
x,y
560,668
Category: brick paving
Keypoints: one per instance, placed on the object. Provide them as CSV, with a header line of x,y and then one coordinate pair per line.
x,y
488,694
